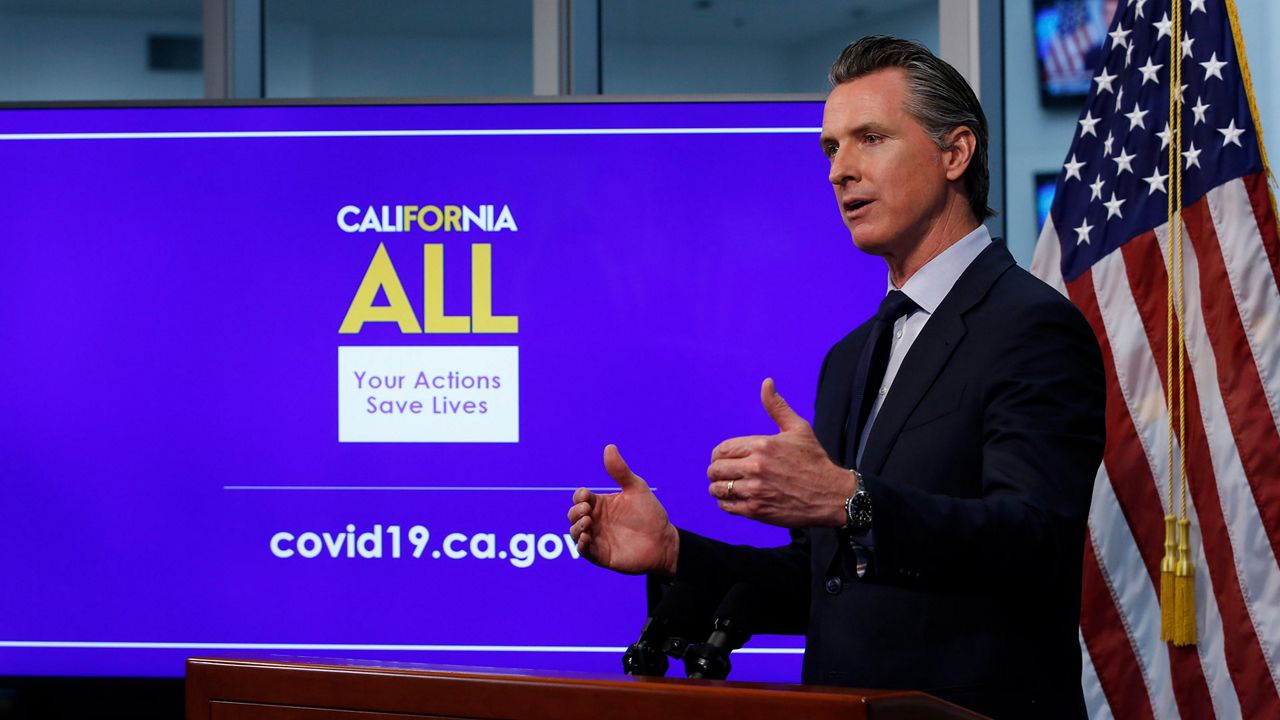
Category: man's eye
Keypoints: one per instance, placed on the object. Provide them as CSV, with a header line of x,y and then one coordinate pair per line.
x,y
871,138
829,150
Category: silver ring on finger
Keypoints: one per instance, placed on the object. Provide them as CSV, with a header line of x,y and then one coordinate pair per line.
x,y
728,491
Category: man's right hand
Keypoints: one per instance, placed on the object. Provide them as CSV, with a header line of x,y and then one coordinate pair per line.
x,y
627,531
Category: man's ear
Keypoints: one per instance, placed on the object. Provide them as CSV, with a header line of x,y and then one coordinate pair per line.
x,y
960,146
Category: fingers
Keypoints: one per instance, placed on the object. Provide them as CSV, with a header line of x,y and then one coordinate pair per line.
x,y
738,447
579,511
732,468
618,470
778,409
580,528
741,490
584,495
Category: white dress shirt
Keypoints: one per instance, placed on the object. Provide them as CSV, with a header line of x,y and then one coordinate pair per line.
x,y
927,287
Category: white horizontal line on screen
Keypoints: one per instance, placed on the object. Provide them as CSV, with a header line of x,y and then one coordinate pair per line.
x,y
91,645
452,488
219,134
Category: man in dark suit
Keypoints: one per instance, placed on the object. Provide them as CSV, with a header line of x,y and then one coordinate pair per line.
x,y
938,503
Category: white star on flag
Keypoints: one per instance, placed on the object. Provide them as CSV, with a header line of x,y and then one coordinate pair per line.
x,y
1119,35
1198,5
1230,135
1187,42
1150,71
1113,207
1106,146
1137,10
1119,99
1082,232
1164,27
1164,136
1072,167
1124,162
1199,109
1155,182
1087,124
1213,67
1104,81
1136,118
1193,156
1096,187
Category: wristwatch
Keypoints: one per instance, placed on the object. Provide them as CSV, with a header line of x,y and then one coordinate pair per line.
x,y
857,507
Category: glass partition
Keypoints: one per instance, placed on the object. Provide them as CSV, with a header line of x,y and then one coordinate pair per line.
x,y
742,46
81,50
397,48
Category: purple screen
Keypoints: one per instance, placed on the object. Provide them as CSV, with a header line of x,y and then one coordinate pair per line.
x,y
319,381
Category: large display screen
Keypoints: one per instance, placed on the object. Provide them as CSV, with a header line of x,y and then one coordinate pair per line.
x,y
319,381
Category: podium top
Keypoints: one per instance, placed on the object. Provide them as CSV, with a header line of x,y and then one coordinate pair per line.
x,y
274,690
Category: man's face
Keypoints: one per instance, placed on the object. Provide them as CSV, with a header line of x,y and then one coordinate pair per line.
x,y
888,174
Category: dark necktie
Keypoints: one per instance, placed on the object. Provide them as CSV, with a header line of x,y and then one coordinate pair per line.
x,y
871,367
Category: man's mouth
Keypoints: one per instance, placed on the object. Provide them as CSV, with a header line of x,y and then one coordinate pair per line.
x,y
854,206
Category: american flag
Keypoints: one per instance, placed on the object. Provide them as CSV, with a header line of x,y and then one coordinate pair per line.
x,y
1105,246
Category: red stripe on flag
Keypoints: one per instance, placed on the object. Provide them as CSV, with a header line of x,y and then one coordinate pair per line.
x,y
1149,289
1257,439
1243,652
1125,461
1109,645
1265,214
1135,489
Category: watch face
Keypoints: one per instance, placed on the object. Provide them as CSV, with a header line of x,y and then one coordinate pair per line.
x,y
860,509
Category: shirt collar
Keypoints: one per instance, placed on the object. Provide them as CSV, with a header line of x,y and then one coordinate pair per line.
x,y
931,283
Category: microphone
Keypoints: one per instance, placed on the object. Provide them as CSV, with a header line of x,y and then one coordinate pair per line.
x,y
710,660
683,612
746,610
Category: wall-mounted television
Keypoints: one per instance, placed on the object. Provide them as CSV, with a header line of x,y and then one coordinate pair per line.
x,y
1069,36
319,380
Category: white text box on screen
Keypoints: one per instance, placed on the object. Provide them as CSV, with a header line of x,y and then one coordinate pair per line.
x,y
428,394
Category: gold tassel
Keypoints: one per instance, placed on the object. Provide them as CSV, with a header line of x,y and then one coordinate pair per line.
x,y
1184,630
1167,568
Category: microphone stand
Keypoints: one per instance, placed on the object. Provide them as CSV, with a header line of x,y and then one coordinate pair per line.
x,y
682,609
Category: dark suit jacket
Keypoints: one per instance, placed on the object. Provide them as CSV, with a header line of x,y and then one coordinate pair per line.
x,y
980,467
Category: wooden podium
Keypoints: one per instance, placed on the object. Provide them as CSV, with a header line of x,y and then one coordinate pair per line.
x,y
220,689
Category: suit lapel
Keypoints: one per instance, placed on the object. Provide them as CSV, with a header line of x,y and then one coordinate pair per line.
x,y
930,352
833,399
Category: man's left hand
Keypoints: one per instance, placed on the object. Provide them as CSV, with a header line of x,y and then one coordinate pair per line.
x,y
784,479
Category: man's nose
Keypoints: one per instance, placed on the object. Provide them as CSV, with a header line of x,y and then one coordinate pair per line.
x,y
844,167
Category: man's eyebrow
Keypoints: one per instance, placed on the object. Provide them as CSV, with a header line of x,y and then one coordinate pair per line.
x,y
863,129
870,127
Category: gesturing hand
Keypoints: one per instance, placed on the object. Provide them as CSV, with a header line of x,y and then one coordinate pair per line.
x,y
784,479
627,531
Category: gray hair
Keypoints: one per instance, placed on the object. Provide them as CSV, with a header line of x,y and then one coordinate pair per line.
x,y
939,98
